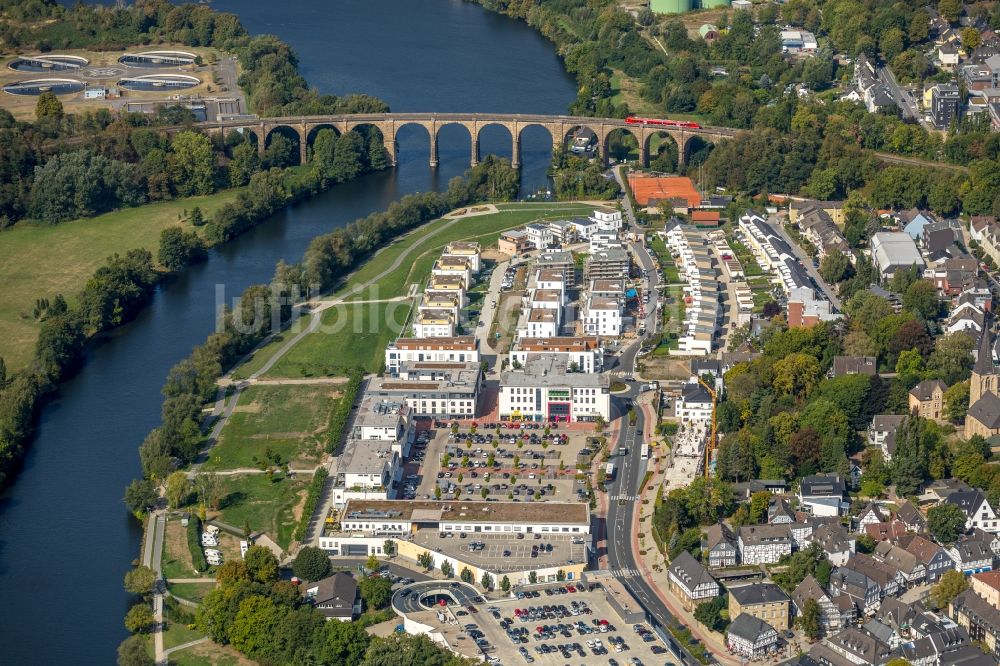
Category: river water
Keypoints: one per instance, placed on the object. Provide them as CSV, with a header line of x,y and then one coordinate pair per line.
x,y
65,537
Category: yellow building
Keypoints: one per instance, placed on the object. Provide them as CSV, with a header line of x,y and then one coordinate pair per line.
x,y
764,601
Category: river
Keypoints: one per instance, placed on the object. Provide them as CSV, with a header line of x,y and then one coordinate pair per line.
x,y
65,537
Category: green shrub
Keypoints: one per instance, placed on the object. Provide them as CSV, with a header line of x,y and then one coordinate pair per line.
x,y
194,544
312,499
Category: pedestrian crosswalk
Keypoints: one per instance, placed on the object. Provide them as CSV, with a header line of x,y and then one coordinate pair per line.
x,y
626,572
623,373
624,498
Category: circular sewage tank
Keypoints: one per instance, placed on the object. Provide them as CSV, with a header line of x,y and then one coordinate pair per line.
x,y
162,59
47,63
159,82
39,86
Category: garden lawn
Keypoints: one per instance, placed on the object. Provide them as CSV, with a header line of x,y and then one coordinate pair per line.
x,y
271,506
289,420
42,261
178,634
208,654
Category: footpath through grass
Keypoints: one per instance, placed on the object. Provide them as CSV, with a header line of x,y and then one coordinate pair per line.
x,y
356,335
42,261
271,505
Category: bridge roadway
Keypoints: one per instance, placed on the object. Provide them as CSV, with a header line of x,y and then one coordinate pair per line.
x,y
558,127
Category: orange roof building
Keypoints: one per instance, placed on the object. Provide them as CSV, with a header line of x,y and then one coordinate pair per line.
x,y
705,218
663,188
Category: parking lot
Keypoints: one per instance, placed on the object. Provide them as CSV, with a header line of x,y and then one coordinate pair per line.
x,y
529,464
550,628
505,552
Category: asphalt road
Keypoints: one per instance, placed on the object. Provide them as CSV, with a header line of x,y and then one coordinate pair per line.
x,y
407,599
621,559
902,96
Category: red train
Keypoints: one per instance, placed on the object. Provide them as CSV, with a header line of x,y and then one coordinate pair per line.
x,y
635,120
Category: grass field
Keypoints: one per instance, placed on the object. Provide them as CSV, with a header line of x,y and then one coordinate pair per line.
x,y
288,420
208,654
42,261
271,506
178,634
192,592
357,335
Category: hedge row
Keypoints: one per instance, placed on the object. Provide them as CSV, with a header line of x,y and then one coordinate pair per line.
x,y
312,500
342,412
194,544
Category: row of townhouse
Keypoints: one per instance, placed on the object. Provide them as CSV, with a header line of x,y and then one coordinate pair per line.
x,y
702,312
775,255
452,275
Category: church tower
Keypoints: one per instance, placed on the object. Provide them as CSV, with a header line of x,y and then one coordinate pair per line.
x,y
984,374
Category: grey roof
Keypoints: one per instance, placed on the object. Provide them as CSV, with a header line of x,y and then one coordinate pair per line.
x,y
878,630
757,593
968,501
695,392
334,595
925,389
861,644
854,365
750,628
808,589
887,422
822,485
972,604
690,571
719,533
986,410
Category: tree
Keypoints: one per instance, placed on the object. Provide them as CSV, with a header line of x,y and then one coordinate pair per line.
x,y
178,248
532,577
140,580
921,299
140,495
708,613
835,267
466,575
956,402
312,564
48,106
244,165
950,10
372,563
132,652
425,560
946,522
139,619
486,581
191,164
232,571
505,584
209,487
261,563
971,39
376,591
811,619
796,374
447,570
178,489
951,584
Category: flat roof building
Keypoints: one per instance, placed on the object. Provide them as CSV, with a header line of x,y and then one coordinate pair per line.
x,y
461,349
436,389
545,390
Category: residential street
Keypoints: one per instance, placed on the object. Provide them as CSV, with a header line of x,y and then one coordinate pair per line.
x,y
806,262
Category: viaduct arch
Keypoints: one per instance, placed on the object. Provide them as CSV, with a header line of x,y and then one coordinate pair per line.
x,y
389,124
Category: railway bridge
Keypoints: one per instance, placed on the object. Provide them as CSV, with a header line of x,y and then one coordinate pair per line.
x,y
559,128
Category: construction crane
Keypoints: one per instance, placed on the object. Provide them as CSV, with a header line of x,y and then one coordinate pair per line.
x,y
710,445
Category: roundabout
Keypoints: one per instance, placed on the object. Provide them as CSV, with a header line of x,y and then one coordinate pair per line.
x,y
433,595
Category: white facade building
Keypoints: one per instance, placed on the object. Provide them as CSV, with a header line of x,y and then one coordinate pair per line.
x,y
544,390
463,349
603,317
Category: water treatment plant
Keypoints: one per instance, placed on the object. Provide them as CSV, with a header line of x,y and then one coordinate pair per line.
x,y
47,63
38,86
158,59
158,82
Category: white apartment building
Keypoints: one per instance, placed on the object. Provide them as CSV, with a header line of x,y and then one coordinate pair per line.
x,y
583,354
451,266
384,421
432,323
440,300
694,404
435,389
605,240
544,390
539,323
365,470
470,251
607,219
453,284
463,349
539,235
546,299
550,279
603,317
608,288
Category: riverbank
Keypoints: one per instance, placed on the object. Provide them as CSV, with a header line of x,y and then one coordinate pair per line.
x,y
39,261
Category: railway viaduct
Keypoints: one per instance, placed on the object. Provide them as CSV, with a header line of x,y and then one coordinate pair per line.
x,y
389,124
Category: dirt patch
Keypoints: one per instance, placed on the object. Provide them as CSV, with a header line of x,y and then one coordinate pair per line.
x,y
175,545
279,435
299,506
494,255
252,408
664,367
223,655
